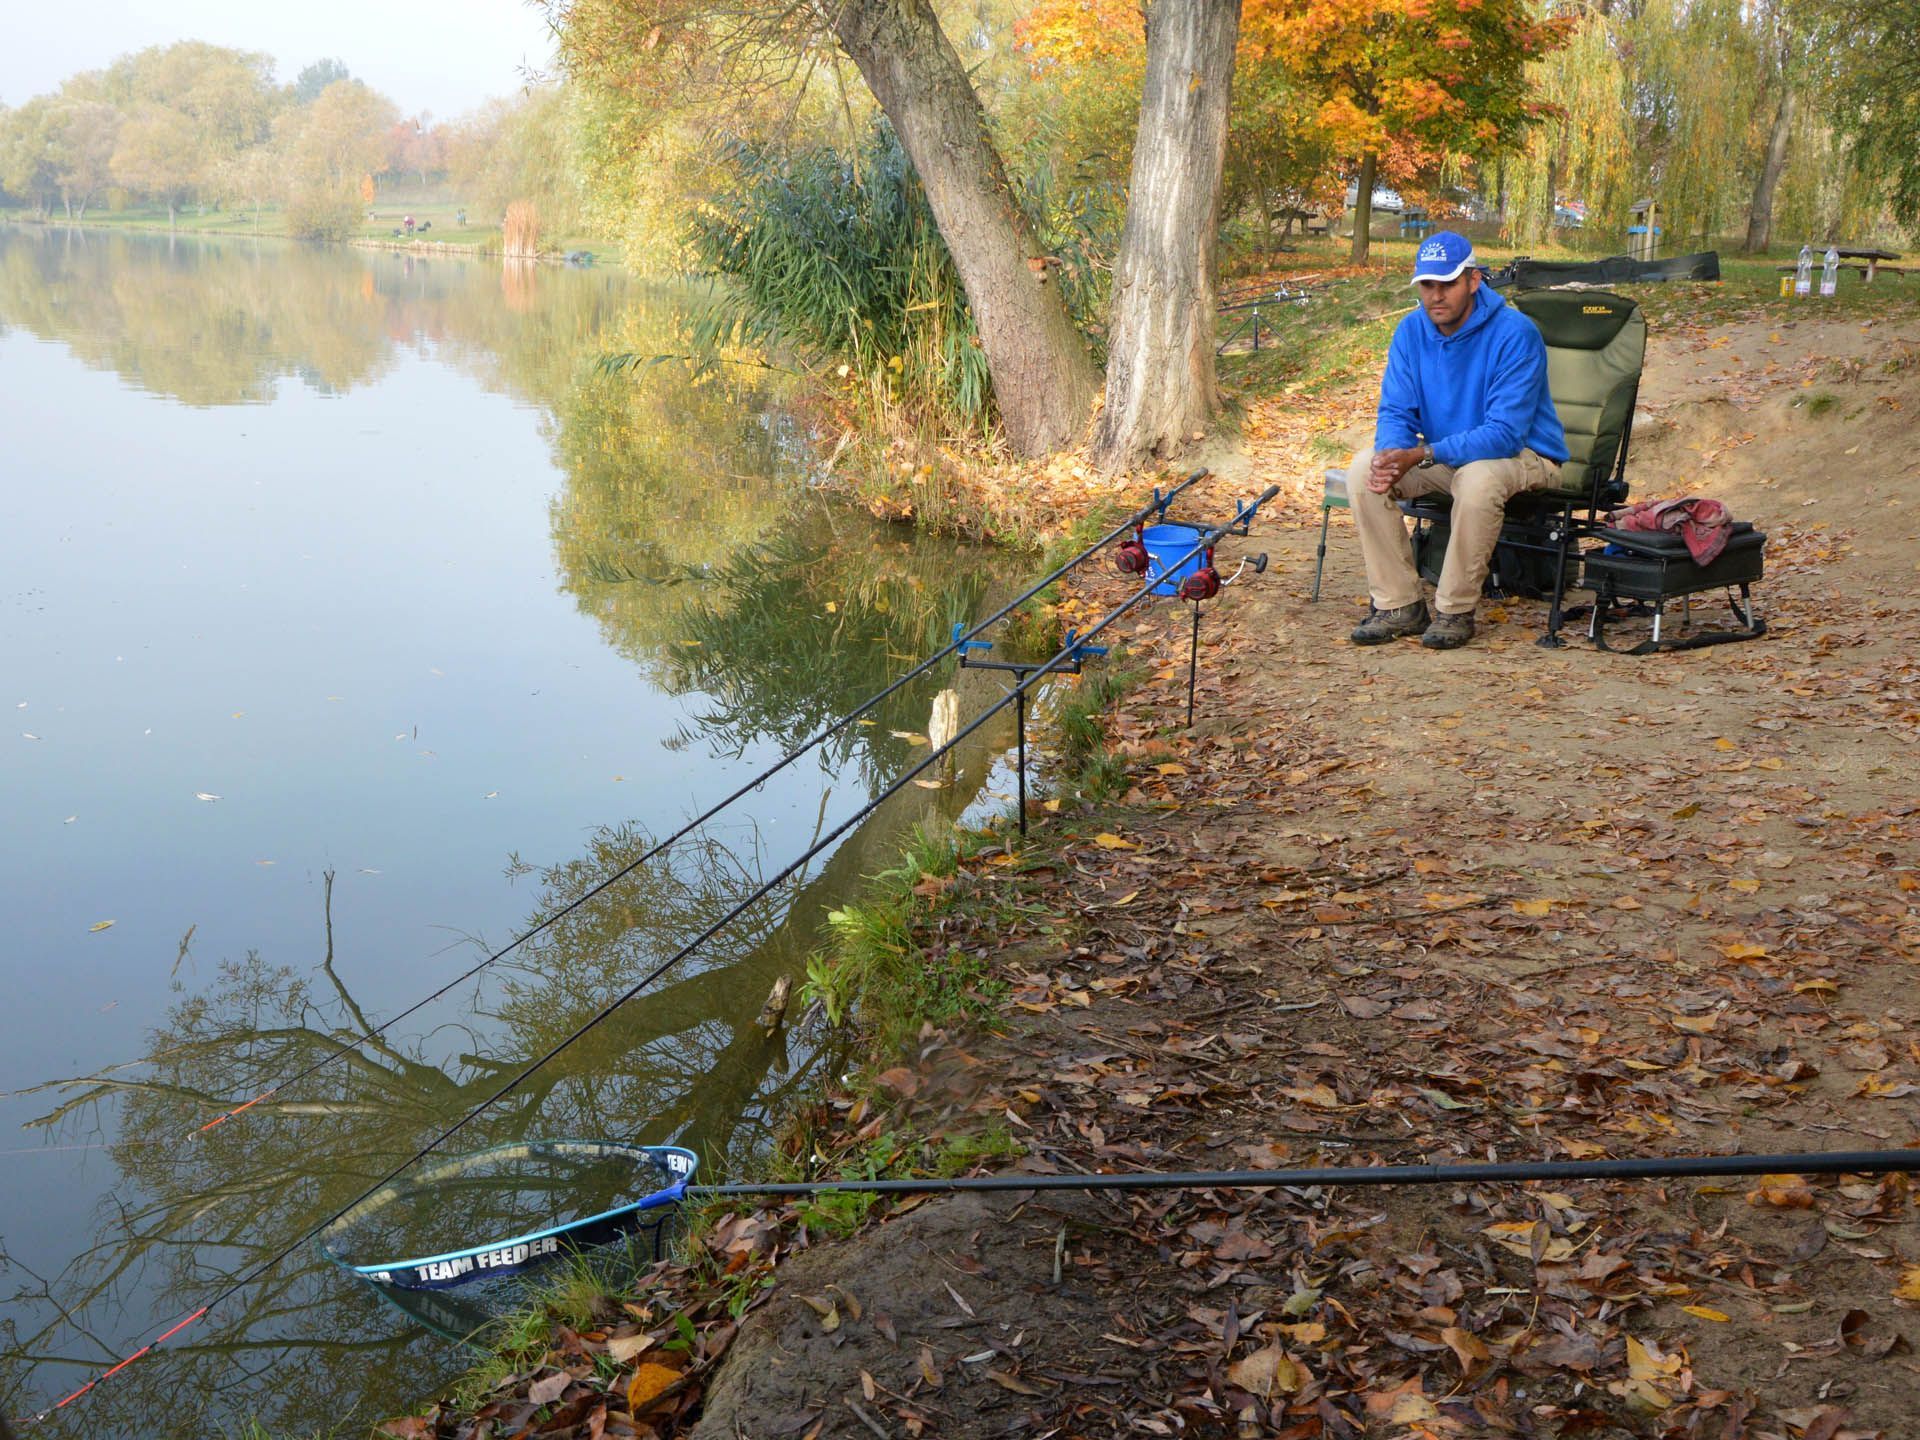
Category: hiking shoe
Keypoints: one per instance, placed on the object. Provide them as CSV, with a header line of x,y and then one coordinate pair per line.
x,y
1449,632
1384,625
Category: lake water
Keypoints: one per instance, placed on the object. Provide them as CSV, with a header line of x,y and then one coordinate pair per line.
x,y
351,622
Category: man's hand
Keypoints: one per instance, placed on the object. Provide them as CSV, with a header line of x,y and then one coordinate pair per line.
x,y
1388,466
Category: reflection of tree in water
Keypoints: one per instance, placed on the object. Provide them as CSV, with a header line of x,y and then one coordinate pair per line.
x,y
220,321
808,624
684,1061
676,534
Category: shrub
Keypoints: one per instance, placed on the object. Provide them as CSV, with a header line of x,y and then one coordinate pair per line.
x,y
838,256
324,212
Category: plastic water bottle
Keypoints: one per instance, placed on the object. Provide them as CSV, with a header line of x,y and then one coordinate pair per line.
x,y
1803,274
1830,272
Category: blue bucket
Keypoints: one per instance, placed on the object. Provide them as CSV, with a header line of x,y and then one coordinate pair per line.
x,y
1166,544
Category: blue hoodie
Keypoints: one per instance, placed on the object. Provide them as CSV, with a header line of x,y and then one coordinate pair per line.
x,y
1477,394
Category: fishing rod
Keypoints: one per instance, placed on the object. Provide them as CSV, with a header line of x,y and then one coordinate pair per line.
x,y
1834,1162
1205,539
1157,507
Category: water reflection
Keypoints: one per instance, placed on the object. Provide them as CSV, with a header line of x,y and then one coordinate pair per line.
x,y
679,523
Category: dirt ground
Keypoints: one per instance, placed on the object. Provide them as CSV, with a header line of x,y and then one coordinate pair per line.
x,y
1389,906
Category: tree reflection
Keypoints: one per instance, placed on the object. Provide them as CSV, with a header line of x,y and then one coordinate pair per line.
x,y
213,322
679,529
685,1062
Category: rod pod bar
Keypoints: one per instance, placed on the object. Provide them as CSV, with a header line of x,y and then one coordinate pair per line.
x,y
1838,1162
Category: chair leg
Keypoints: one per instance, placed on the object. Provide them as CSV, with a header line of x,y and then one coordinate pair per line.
x,y
1556,615
1320,561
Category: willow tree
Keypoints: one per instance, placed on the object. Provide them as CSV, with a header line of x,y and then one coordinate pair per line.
x,y
1776,40
1875,90
1586,146
1696,76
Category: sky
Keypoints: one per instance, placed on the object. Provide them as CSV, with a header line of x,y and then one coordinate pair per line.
x,y
443,56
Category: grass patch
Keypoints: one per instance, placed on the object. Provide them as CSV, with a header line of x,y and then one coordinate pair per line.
x,y
1822,402
873,963
1091,771
1340,333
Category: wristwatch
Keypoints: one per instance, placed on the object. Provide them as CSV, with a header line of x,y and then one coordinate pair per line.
x,y
1425,462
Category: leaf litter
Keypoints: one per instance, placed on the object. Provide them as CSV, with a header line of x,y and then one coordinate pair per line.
x,y
1376,912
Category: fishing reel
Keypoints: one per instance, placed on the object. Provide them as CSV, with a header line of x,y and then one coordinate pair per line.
x,y
1130,556
1205,583
1202,584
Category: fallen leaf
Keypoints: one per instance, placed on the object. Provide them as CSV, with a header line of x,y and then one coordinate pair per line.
x,y
828,1312
1113,842
623,1348
1535,908
1467,1348
1782,1192
548,1388
1704,1312
1265,1373
649,1382
1014,1383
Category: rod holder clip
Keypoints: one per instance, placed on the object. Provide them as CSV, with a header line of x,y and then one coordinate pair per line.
x,y
1078,652
963,645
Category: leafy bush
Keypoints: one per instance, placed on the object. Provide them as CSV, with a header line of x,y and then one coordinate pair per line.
x,y
324,212
838,256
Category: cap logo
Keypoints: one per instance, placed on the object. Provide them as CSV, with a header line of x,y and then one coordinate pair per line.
x,y
1434,250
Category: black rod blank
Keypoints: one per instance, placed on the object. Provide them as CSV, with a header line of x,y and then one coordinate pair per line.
x,y
1819,1162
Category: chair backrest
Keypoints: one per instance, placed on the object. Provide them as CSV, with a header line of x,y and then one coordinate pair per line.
x,y
1596,346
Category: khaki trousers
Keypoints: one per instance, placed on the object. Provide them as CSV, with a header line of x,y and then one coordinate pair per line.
x,y
1480,492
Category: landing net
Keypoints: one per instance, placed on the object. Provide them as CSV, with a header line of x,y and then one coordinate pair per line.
x,y
456,1244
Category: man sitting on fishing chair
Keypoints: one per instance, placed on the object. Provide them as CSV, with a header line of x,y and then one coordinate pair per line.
x,y
1464,410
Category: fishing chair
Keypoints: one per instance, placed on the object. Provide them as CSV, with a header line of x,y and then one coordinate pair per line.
x,y
1596,346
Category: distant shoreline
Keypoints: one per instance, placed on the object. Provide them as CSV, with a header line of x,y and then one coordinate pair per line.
x,y
243,231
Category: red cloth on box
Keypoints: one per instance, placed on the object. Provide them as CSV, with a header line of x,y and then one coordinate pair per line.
x,y
1703,524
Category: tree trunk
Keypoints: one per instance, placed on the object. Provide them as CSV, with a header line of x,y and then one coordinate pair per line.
x,y
1161,386
1363,209
1760,214
1043,377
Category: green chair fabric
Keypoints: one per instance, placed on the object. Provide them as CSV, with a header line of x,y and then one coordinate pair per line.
x,y
1596,348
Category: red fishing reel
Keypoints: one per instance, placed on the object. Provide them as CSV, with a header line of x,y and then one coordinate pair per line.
x,y
1131,555
1202,584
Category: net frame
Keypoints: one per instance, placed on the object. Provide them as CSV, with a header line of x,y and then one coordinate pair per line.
x,y
526,1250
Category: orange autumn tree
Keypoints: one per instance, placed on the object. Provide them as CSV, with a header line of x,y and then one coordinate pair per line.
x,y
1402,84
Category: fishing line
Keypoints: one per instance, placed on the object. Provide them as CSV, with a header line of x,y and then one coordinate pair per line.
x,y
1159,503
1205,539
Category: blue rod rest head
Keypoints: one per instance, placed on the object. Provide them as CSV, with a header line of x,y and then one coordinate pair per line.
x,y
1080,652
960,629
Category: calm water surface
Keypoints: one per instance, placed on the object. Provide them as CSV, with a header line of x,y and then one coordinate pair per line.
x,y
350,622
